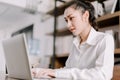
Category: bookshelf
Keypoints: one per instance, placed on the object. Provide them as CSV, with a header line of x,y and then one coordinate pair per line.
x,y
117,51
62,32
62,55
112,19
108,16
60,9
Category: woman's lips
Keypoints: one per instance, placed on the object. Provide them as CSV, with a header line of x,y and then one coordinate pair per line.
x,y
72,29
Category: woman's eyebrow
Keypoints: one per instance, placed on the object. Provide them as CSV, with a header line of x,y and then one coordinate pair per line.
x,y
67,16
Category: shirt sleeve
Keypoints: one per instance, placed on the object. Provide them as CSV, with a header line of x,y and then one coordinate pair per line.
x,y
103,69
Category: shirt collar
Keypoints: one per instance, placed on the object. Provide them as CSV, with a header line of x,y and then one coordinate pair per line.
x,y
91,40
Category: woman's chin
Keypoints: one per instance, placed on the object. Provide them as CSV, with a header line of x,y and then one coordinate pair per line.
x,y
74,34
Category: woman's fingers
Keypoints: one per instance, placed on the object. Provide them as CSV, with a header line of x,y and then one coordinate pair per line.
x,y
33,71
43,73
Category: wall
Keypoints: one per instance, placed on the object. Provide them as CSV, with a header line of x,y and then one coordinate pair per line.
x,y
6,33
39,32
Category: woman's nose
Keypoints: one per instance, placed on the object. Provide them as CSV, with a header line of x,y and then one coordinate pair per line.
x,y
68,24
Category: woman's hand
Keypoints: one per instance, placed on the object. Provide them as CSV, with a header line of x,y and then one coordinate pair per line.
x,y
43,73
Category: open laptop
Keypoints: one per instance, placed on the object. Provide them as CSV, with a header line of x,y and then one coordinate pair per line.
x,y
16,56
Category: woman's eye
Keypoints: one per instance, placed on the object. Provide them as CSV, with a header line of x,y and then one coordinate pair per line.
x,y
71,18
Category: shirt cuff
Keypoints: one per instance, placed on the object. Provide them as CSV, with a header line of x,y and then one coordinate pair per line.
x,y
62,73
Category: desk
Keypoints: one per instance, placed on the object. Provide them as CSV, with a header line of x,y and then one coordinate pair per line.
x,y
38,79
7,78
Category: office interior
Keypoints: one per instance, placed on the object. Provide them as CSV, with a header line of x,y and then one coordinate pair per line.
x,y
48,39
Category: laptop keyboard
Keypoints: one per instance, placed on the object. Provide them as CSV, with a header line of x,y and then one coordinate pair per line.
x,y
42,79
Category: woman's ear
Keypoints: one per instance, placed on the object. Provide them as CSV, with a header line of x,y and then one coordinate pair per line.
x,y
86,16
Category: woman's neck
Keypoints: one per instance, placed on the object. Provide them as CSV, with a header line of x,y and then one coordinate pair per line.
x,y
84,34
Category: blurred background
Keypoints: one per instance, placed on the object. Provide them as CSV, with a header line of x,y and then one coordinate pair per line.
x,y
49,41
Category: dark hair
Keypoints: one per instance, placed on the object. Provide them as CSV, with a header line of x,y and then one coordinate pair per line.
x,y
85,5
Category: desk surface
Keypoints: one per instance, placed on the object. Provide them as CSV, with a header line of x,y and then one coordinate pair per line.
x,y
7,78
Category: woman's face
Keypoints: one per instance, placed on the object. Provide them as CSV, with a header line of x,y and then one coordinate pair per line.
x,y
76,23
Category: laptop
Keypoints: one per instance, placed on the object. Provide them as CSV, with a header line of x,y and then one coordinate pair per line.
x,y
16,56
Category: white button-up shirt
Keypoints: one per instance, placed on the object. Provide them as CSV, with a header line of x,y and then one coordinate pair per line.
x,y
91,60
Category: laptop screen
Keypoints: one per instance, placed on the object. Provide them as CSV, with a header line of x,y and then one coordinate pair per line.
x,y
16,56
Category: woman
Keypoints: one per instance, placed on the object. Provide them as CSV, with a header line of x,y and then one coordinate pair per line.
x,y
92,56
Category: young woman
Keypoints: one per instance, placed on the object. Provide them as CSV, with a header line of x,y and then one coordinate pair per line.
x,y
92,55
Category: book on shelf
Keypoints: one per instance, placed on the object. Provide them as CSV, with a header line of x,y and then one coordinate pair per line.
x,y
115,36
114,6
116,39
63,44
111,6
